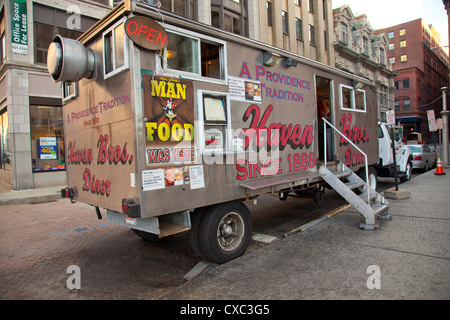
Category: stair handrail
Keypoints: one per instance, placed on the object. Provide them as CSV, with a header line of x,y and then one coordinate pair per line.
x,y
348,140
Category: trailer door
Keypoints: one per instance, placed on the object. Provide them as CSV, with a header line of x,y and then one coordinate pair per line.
x,y
324,110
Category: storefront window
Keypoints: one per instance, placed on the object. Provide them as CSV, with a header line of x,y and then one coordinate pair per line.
x,y
5,155
47,143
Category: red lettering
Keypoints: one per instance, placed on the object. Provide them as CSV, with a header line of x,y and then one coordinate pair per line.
x,y
128,27
95,186
354,133
277,134
141,29
79,156
114,154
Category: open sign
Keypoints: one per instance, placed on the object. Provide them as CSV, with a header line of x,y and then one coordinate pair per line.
x,y
146,33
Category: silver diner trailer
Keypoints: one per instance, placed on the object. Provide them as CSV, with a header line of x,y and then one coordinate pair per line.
x,y
171,126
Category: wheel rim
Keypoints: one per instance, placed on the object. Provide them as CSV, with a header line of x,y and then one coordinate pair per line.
x,y
372,181
230,231
408,171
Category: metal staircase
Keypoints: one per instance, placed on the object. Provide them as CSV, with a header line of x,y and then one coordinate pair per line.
x,y
369,203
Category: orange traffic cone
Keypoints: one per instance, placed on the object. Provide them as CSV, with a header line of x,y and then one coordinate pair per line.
x,y
439,170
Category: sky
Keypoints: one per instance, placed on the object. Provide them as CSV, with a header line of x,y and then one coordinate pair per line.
x,y
386,13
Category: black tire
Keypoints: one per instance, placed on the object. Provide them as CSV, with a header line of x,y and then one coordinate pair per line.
x,y
146,235
318,197
225,231
193,234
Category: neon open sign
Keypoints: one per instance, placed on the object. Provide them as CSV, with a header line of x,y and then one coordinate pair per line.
x,y
146,33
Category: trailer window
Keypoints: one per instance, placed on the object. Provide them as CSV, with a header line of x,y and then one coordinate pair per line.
x,y
115,50
352,99
192,55
214,120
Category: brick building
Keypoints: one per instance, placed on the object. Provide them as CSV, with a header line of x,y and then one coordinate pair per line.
x,y
415,51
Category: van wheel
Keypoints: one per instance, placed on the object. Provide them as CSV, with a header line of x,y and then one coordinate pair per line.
x,y
225,231
193,234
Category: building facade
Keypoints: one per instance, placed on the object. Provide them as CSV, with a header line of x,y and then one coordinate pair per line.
x,y
360,51
415,51
31,126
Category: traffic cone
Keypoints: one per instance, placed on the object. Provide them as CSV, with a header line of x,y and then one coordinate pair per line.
x,y
439,170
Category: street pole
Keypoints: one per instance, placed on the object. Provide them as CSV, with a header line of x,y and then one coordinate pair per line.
x,y
444,114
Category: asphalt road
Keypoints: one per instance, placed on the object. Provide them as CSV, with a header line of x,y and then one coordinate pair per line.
x,y
43,243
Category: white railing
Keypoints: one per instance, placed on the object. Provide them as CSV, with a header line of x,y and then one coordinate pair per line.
x,y
348,140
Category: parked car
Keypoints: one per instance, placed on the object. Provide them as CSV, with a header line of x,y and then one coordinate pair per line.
x,y
423,157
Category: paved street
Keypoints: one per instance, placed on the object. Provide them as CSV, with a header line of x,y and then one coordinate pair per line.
x,y
41,241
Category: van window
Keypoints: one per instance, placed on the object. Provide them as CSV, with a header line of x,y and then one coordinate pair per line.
x,y
115,50
352,99
214,119
194,56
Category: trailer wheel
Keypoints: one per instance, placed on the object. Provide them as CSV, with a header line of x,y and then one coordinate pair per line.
x,y
225,231
193,234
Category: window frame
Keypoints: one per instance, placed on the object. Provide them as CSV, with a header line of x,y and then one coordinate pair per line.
x,y
226,145
353,106
115,70
164,68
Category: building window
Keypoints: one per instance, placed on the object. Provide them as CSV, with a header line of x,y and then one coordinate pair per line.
x,y
269,13
298,29
382,56
352,99
47,141
298,2
403,58
284,17
312,35
403,44
185,8
2,38
392,60
402,32
5,155
115,50
391,46
405,84
383,96
190,55
397,105
344,33
49,22
311,6
366,46
214,120
391,35
406,104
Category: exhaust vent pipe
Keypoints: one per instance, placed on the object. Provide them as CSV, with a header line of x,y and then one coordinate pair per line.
x,y
69,60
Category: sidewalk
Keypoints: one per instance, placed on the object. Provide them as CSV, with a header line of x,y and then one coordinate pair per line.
x,y
38,195
406,258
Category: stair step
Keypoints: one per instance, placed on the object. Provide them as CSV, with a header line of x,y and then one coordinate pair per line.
x,y
379,208
355,184
372,195
342,174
